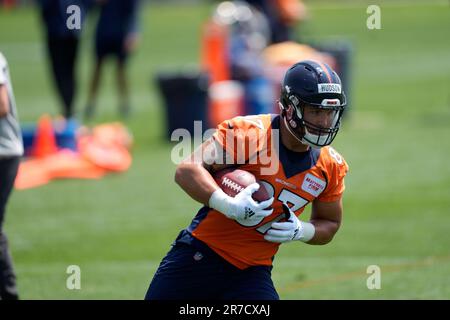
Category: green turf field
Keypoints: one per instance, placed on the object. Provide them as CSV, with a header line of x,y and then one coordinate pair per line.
x,y
396,141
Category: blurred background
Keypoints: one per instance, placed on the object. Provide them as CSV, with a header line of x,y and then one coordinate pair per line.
x,y
395,137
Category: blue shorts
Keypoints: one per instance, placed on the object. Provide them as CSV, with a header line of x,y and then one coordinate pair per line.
x,y
192,271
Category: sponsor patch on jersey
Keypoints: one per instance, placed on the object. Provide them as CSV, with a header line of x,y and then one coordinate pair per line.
x,y
313,185
329,88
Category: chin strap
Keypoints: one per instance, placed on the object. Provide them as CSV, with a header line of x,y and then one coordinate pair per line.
x,y
283,115
290,130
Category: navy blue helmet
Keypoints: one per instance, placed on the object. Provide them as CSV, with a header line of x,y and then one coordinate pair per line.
x,y
312,84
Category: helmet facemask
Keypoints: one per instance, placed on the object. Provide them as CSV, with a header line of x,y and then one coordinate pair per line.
x,y
304,128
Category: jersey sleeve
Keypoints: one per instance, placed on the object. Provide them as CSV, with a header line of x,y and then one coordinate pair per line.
x,y
336,170
240,138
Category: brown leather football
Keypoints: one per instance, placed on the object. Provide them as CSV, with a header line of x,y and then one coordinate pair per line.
x,y
232,181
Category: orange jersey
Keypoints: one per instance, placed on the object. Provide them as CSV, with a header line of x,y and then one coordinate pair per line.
x,y
291,177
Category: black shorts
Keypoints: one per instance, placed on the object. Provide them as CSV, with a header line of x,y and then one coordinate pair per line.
x,y
111,47
192,271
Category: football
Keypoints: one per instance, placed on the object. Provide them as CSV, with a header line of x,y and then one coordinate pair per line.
x,y
233,181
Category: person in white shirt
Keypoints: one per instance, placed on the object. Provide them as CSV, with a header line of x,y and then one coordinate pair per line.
x,y
11,149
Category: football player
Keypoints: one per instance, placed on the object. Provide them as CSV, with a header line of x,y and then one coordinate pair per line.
x,y
226,253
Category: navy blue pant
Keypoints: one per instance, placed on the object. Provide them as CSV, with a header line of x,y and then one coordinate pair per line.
x,y
192,271
63,54
8,172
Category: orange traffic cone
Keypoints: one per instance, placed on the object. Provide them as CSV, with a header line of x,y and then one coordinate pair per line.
x,y
45,141
214,51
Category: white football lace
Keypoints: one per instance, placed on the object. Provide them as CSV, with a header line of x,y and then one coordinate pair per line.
x,y
232,185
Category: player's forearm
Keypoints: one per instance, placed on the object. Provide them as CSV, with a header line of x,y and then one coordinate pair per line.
x,y
4,102
196,181
324,231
